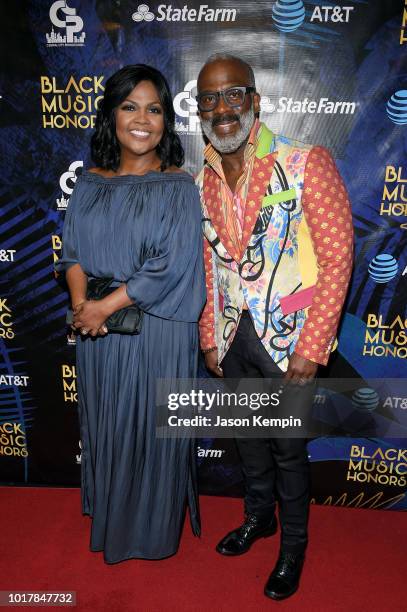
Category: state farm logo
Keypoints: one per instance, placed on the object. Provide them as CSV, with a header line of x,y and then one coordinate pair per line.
x,y
322,106
71,338
166,12
213,453
185,107
143,13
67,182
64,17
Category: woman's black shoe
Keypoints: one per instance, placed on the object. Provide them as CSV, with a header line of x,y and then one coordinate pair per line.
x,y
285,577
239,540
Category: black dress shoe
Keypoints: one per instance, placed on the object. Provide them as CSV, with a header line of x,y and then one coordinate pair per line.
x,y
285,577
239,540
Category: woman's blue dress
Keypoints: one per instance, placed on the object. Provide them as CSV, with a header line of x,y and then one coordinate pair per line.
x,y
144,231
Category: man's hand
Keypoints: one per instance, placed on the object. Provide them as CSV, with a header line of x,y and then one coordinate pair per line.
x,y
300,370
211,362
89,317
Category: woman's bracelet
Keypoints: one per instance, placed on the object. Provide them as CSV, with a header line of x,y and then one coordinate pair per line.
x,y
209,350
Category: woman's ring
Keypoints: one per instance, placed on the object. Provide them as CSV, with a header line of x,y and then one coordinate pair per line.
x,y
84,331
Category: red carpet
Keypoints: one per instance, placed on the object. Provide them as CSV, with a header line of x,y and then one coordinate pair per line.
x,y
356,560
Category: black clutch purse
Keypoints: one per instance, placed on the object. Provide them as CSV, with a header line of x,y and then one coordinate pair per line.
x,y
124,321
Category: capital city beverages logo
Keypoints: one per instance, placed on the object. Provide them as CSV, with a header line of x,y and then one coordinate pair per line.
x,y
167,12
383,268
64,17
78,457
185,107
67,182
397,107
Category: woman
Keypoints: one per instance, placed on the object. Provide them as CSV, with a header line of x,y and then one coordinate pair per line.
x,y
134,218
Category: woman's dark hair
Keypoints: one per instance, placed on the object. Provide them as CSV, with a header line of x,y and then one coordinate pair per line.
x,y
105,148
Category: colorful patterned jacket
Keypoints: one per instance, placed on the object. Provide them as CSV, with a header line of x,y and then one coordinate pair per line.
x,y
299,245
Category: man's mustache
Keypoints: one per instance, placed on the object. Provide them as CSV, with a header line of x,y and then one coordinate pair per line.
x,y
224,118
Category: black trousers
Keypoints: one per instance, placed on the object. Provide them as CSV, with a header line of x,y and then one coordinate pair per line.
x,y
275,469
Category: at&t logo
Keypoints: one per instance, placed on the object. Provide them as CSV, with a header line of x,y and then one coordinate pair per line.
x,y
7,254
395,402
185,106
288,15
365,399
62,16
335,14
383,268
397,107
67,182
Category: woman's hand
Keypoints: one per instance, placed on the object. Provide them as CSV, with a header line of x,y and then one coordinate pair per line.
x,y
89,317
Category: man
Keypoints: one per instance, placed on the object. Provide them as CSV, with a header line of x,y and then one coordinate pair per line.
x,y
278,239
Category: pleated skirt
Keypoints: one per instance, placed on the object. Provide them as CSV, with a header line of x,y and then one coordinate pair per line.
x,y
136,487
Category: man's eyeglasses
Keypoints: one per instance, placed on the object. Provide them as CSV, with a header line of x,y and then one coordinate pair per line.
x,y
234,96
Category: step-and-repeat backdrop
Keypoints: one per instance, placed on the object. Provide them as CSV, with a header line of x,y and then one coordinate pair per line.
x,y
329,73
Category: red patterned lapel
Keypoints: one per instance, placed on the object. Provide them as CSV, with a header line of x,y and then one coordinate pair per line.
x,y
260,178
213,202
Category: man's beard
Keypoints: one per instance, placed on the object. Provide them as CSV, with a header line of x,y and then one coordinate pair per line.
x,y
229,144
